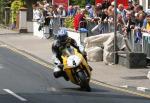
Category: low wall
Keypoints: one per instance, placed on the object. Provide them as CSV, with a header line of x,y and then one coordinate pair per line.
x,y
75,35
146,44
30,26
37,32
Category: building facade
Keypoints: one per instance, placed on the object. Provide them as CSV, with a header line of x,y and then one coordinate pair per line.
x,y
145,4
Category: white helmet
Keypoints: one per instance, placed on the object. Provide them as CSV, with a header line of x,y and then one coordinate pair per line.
x,y
62,35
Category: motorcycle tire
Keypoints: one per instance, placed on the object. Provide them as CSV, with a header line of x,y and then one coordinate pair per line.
x,y
84,83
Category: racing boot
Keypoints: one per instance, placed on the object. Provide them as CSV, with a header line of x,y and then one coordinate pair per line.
x,y
90,68
65,76
58,72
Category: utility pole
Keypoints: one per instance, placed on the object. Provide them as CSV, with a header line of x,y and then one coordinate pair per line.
x,y
115,32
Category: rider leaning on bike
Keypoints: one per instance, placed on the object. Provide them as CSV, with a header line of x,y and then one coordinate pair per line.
x,y
61,42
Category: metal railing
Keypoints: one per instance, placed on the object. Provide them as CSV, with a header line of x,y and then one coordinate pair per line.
x,y
100,27
146,44
143,45
140,46
136,46
103,27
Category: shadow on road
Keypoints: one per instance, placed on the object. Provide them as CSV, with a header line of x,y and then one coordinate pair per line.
x,y
73,97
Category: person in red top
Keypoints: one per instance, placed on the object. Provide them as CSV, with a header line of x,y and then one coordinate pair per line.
x,y
78,18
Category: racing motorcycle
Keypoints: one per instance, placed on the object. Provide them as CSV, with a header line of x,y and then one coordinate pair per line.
x,y
76,67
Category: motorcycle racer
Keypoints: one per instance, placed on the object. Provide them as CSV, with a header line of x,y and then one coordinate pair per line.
x,y
61,42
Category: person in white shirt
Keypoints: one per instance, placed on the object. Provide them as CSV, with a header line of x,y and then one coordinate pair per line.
x,y
46,4
62,13
36,12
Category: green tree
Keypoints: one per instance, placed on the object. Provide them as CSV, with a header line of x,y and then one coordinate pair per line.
x,y
15,6
3,4
69,22
2,10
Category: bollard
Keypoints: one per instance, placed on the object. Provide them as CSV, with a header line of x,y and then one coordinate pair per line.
x,y
83,34
148,75
23,20
7,15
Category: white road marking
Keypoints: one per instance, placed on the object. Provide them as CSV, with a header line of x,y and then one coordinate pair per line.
x,y
143,89
15,95
1,66
53,89
3,45
124,86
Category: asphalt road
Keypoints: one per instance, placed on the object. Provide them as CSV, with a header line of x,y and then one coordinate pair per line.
x,y
25,81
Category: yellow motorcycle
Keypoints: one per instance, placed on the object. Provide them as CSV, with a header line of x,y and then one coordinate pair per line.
x,y
76,68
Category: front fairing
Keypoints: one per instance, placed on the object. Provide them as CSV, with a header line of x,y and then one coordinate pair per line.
x,y
69,55
70,70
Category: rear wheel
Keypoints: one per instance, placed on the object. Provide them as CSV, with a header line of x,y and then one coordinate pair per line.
x,y
83,81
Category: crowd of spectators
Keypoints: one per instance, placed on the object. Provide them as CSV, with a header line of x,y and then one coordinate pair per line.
x,y
128,17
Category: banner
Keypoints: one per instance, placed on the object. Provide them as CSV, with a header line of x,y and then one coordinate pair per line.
x,y
124,2
61,2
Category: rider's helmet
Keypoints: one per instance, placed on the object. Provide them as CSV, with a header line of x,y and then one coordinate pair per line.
x,y
62,35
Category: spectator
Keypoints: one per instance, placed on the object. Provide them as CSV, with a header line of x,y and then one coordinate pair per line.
x,y
45,5
50,13
62,13
111,18
99,6
77,9
56,20
146,24
139,25
36,12
113,4
40,4
130,24
121,10
90,10
111,11
50,16
97,10
139,19
71,11
120,22
138,8
130,5
54,9
106,4
104,16
104,24
78,18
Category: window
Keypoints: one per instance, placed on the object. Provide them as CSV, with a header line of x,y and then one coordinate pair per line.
x,y
148,4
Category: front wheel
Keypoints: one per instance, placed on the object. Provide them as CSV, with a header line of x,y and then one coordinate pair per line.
x,y
83,81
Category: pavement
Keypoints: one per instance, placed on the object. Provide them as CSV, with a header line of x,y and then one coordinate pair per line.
x,y
115,75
